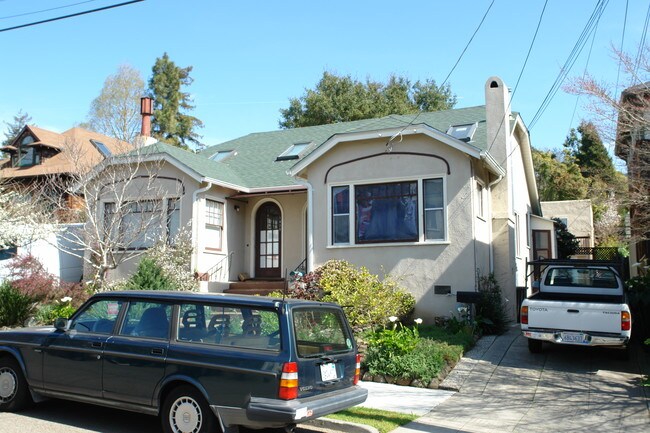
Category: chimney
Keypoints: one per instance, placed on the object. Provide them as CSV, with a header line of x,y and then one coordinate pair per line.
x,y
497,116
146,110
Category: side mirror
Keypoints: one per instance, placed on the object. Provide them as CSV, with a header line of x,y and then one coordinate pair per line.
x,y
61,324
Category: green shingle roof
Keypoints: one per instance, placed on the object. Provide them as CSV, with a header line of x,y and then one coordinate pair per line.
x,y
254,160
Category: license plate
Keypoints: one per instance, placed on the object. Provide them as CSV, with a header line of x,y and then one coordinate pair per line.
x,y
574,337
328,372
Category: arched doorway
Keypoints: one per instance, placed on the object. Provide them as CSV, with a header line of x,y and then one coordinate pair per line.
x,y
268,237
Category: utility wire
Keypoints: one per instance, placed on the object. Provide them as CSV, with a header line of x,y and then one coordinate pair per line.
x,y
446,78
620,61
46,10
571,59
521,73
70,16
639,54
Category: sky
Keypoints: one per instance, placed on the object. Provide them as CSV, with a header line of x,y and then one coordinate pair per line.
x,y
250,57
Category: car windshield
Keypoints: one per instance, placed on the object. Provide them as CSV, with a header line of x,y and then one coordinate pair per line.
x,y
581,277
321,332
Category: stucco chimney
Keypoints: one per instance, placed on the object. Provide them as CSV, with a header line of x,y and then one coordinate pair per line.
x,y
146,110
497,116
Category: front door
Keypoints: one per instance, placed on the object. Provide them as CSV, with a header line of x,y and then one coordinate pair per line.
x,y
268,235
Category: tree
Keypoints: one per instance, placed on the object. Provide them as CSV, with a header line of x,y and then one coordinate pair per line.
x,y
342,98
116,111
625,121
558,177
13,129
567,244
169,122
590,153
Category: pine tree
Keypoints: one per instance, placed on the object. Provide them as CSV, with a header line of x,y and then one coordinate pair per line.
x,y
13,129
149,276
169,124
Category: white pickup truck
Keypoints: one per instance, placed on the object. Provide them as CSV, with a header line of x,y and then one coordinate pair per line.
x,y
576,302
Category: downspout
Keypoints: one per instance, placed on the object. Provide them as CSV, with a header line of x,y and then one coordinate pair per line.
x,y
310,228
195,227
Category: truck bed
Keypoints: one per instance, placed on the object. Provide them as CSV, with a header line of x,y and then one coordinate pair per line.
x,y
575,297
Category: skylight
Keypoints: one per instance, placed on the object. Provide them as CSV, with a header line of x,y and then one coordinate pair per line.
x,y
293,152
462,132
101,147
221,155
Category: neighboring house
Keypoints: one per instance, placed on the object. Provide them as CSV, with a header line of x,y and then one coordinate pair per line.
x,y
577,215
38,164
435,199
633,147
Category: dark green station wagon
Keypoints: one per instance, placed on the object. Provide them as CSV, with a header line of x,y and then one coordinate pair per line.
x,y
202,362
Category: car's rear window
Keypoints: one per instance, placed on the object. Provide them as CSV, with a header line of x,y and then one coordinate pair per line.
x,y
321,331
237,326
582,277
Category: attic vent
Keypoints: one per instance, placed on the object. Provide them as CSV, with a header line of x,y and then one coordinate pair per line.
x,y
293,152
463,132
222,154
101,147
494,85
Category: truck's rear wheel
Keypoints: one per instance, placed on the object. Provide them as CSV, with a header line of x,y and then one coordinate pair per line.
x,y
534,346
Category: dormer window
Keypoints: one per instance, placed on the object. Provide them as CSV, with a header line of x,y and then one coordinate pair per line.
x,y
463,132
293,152
222,154
27,140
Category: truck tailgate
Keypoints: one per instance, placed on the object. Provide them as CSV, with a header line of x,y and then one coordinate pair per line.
x,y
575,316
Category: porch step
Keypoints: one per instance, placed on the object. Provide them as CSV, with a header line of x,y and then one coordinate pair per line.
x,y
255,287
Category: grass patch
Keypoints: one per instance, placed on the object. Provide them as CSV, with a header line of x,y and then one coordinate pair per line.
x,y
382,420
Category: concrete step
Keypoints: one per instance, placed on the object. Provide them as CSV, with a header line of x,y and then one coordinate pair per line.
x,y
255,287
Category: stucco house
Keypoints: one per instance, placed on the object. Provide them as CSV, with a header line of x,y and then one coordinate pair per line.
x,y
435,199
577,215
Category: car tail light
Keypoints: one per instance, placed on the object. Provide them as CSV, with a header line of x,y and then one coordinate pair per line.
x,y
626,321
357,370
289,381
524,315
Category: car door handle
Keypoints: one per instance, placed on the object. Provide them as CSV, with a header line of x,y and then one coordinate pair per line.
x,y
572,311
157,351
96,344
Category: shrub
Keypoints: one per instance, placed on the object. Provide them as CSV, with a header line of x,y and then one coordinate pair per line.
x,y
175,260
48,313
149,276
15,306
367,299
639,297
491,314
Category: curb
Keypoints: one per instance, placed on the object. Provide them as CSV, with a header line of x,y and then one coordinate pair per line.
x,y
344,426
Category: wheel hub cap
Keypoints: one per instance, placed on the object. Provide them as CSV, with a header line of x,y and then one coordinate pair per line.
x,y
7,384
185,416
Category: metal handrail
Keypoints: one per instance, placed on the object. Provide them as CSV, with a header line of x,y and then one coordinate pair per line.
x,y
218,267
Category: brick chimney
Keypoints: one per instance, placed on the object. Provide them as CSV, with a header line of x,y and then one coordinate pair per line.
x,y
146,110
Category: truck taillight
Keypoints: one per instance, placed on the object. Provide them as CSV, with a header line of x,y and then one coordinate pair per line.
x,y
626,321
524,315
357,370
289,381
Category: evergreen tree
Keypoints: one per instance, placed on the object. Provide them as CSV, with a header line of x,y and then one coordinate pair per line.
x,y
342,99
13,128
567,244
558,177
590,153
169,122
149,276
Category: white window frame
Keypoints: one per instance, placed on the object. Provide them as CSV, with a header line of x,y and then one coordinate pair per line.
x,y
480,199
421,212
214,226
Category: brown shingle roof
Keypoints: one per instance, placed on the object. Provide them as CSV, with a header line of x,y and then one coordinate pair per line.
x,y
75,152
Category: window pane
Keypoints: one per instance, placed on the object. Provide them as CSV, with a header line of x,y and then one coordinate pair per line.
x,y
173,218
435,229
433,194
320,332
341,230
386,212
341,200
98,317
147,319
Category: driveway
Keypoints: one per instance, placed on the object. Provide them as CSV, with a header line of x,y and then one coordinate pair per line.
x,y
504,388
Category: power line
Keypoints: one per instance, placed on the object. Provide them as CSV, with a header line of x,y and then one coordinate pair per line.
x,y
571,59
639,55
70,16
448,75
620,61
521,73
46,10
